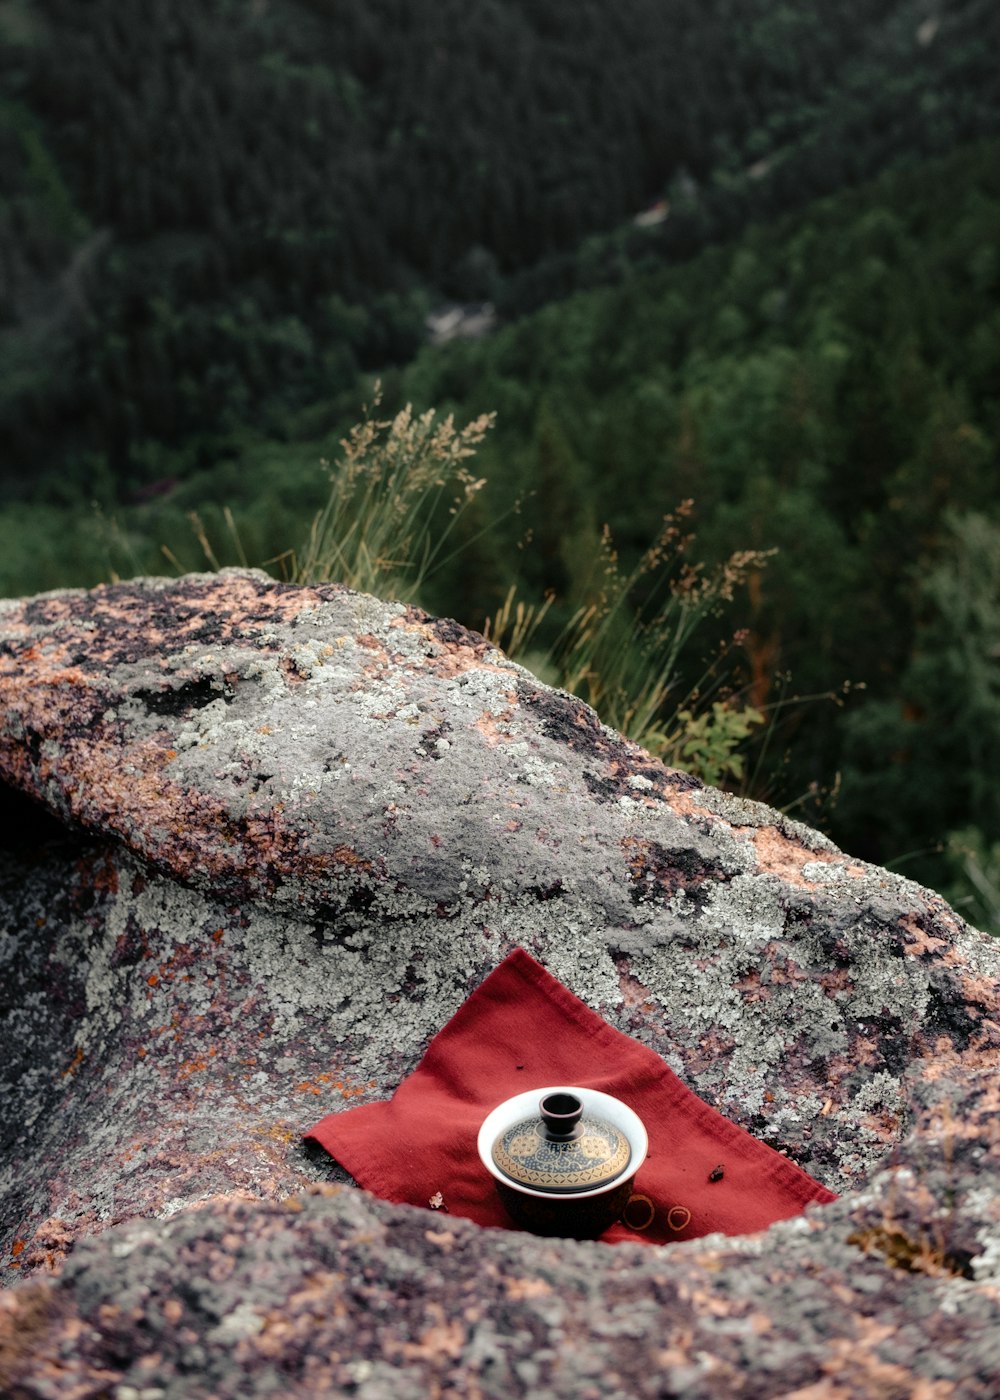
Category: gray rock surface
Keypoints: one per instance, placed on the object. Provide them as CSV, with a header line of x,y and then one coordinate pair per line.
x,y
263,841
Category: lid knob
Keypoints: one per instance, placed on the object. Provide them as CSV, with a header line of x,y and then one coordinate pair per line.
x,y
561,1114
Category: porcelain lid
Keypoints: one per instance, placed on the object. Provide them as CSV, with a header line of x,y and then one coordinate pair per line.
x,y
562,1149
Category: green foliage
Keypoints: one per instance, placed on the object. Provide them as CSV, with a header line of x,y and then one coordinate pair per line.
x,y
42,183
924,762
708,744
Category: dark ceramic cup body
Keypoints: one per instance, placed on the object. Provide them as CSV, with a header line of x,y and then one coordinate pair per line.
x,y
570,1217
582,1215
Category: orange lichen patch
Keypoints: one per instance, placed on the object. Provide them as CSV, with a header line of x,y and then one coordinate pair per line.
x,y
70,675
291,670
306,1306
945,1061
127,1154
217,935
443,1340
637,854
17,1248
839,980
634,994
49,1245
346,855
519,1288
451,659
123,788
867,1051
681,801
983,992
495,729
172,968
752,988
778,855
852,1367
277,1133
322,1083
189,1067
980,1052
840,1067
74,1064
884,1125
28,1317
785,972
238,602
919,941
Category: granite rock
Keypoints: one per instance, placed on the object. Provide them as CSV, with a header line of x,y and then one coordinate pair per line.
x,y
262,841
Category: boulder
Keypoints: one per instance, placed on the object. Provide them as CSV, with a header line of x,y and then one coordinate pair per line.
x,y
263,840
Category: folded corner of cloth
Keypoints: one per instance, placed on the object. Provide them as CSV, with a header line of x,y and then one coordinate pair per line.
x,y
522,1029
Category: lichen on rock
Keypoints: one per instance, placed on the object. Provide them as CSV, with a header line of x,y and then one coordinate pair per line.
x,y
265,840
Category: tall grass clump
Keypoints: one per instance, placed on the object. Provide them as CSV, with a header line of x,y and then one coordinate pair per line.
x,y
397,492
632,662
975,885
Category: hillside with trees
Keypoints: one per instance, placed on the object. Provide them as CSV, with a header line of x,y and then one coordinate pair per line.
x,y
215,213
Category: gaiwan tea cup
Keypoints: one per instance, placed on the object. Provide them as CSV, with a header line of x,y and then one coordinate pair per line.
x,y
563,1159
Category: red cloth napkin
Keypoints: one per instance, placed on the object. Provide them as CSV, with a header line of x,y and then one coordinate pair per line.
x,y
521,1029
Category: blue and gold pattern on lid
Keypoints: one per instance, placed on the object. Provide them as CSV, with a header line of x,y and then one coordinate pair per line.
x,y
589,1155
